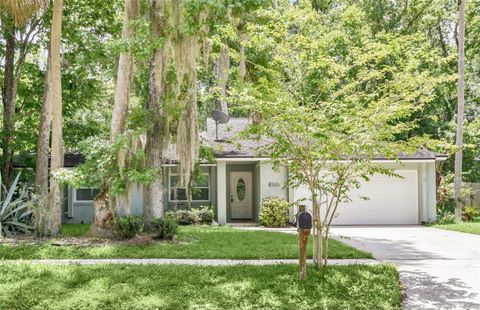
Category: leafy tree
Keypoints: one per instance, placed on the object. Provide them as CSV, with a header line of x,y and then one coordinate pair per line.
x,y
334,96
14,17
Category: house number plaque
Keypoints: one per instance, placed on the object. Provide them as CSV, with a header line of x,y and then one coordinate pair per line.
x,y
273,184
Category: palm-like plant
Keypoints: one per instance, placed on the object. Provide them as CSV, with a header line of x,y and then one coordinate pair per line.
x,y
15,213
22,10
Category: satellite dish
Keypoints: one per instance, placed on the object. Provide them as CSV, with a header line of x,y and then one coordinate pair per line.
x,y
219,117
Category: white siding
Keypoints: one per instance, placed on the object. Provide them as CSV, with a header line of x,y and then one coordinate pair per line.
x,y
273,183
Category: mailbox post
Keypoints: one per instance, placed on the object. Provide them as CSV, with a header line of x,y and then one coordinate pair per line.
x,y
304,225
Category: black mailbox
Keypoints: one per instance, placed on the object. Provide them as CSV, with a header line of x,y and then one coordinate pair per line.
x,y
304,220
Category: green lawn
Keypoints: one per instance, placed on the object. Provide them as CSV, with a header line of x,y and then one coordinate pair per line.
x,y
471,228
192,242
75,230
31,287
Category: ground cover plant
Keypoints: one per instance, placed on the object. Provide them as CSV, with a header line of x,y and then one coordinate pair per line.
x,y
192,287
191,242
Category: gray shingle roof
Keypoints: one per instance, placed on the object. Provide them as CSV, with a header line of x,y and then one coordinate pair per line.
x,y
229,145
234,147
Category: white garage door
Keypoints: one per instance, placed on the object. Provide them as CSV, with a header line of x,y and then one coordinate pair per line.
x,y
391,201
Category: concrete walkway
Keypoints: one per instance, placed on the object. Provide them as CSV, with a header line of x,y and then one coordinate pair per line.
x,y
197,262
439,269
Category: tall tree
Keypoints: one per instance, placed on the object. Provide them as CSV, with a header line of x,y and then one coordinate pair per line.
x,y
16,13
333,95
43,141
106,203
8,96
122,91
157,135
57,136
460,110
124,72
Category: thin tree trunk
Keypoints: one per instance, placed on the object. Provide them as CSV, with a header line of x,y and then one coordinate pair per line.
x,y
320,247
120,203
317,240
43,142
57,136
157,136
325,250
8,97
41,214
460,111
314,245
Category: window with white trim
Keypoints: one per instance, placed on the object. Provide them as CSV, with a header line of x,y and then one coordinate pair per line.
x,y
84,194
200,189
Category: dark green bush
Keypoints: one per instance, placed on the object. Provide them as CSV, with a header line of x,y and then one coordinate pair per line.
x,y
128,226
164,228
204,215
185,217
274,212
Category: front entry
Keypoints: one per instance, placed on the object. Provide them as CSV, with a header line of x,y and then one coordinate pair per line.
x,y
241,195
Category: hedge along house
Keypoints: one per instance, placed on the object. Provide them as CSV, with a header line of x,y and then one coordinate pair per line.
x,y
236,183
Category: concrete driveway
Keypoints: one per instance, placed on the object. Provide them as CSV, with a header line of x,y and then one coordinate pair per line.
x,y
439,269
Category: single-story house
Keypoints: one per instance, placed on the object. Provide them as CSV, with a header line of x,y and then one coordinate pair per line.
x,y
238,181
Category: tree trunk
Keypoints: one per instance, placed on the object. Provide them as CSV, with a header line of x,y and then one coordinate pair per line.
x,y
317,229
41,214
103,215
325,248
460,111
8,96
120,203
43,142
57,136
157,135
124,73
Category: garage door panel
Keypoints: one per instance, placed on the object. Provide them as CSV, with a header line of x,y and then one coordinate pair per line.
x,y
392,200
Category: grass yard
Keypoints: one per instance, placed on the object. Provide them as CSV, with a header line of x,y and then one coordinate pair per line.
x,y
75,230
192,242
470,227
146,287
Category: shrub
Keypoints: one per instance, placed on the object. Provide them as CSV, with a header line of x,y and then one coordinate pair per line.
x,y
446,218
204,215
15,212
185,217
470,213
274,212
127,227
164,228
170,214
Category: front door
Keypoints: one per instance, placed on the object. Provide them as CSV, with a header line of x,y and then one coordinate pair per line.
x,y
241,195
